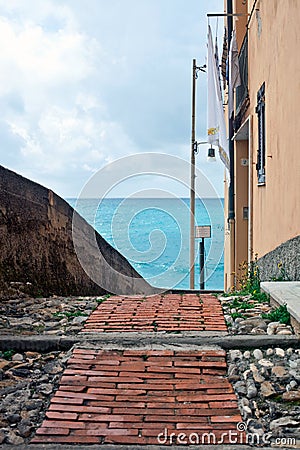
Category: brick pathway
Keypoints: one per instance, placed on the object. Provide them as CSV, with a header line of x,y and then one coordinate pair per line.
x,y
169,312
134,396
145,396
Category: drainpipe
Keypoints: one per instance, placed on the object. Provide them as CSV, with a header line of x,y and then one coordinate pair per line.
x,y
231,206
250,193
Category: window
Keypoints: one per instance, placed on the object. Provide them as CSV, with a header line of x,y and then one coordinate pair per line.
x,y
242,93
261,152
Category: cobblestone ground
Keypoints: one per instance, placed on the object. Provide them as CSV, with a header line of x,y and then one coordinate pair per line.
x,y
145,396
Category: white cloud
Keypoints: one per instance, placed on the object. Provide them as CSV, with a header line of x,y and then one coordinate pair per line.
x,y
82,86
31,147
68,138
34,59
50,14
89,168
62,124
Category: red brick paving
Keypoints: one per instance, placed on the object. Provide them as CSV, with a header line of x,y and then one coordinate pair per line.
x,y
132,396
166,312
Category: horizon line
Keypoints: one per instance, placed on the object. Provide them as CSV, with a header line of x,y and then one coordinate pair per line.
x,y
141,198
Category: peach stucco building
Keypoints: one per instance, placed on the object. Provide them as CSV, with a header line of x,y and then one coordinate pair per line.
x,y
266,139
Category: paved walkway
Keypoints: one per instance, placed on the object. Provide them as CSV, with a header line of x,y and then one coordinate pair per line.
x,y
167,312
285,293
139,397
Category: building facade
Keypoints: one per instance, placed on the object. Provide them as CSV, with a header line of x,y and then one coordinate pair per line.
x,y
266,140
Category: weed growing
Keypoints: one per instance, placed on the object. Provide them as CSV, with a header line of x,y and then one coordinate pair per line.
x,y
279,314
7,354
249,282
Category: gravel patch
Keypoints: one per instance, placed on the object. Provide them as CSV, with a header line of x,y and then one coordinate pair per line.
x,y
27,381
267,383
45,316
244,315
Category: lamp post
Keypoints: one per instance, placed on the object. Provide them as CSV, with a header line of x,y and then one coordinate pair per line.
x,y
192,183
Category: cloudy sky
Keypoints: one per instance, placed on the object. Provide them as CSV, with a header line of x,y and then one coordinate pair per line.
x,y
85,82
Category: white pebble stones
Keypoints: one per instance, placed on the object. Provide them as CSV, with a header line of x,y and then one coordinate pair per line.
x,y
280,352
258,354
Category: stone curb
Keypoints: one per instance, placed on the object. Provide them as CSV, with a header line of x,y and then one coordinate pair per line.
x,y
142,340
194,291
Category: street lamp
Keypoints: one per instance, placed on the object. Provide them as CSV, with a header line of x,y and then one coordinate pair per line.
x,y
194,147
211,154
211,157
194,151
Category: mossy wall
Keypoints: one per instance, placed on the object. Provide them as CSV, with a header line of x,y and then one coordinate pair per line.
x,y
36,244
283,261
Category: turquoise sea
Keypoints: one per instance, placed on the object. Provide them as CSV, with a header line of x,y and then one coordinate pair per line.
x,y
153,234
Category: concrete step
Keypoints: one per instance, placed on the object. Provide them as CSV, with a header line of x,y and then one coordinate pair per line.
x,y
285,292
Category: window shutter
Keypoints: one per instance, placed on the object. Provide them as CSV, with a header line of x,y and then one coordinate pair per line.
x,y
261,152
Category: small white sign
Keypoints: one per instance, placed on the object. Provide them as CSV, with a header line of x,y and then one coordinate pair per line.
x,y
203,231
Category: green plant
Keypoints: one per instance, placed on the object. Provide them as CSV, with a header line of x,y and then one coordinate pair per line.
x,y
249,281
282,274
279,314
287,404
246,305
7,354
69,315
154,324
231,293
241,304
39,328
261,297
236,315
74,314
250,284
102,299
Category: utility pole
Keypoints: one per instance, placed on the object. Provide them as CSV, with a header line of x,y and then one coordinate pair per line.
x,y
194,150
192,183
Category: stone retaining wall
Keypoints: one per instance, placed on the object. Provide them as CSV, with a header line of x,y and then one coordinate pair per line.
x,y
286,256
36,244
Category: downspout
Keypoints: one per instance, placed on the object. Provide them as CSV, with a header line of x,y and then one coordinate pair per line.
x,y
231,193
250,194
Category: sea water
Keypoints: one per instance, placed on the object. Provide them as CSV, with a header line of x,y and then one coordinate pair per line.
x,y
154,236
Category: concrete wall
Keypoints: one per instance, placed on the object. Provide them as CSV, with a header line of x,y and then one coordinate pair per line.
x,y
287,257
241,202
274,39
36,244
273,42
